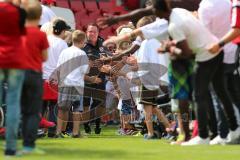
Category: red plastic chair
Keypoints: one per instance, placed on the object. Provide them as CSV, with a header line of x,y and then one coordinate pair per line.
x,y
62,3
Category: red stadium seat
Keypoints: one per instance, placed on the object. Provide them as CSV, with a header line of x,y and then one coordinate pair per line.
x,y
107,32
62,3
90,5
77,6
106,6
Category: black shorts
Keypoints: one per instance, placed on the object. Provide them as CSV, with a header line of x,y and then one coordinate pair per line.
x,y
94,97
148,97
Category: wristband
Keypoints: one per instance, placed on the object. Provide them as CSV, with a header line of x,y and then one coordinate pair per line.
x,y
221,43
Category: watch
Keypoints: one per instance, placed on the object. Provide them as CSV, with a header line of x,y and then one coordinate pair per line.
x,y
221,43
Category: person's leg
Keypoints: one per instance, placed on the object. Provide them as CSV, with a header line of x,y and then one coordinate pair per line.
x,y
52,116
212,120
161,117
86,113
148,118
222,124
220,88
233,87
202,79
76,124
96,109
15,81
184,116
62,117
31,103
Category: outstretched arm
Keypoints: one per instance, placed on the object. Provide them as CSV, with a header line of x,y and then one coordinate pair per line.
x,y
134,16
118,57
125,37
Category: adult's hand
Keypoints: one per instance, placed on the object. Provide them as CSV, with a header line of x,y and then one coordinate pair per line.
x,y
214,48
106,21
110,40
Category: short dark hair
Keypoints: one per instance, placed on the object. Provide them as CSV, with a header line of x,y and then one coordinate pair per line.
x,y
93,24
59,25
161,5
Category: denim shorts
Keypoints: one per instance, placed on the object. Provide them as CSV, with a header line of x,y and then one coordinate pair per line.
x,y
126,107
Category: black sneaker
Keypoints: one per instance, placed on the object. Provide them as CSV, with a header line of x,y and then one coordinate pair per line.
x,y
51,135
87,129
97,130
76,136
9,152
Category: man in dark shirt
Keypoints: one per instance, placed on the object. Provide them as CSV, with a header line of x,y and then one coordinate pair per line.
x,y
96,92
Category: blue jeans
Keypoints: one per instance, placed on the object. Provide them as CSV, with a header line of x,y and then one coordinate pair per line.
x,y
14,79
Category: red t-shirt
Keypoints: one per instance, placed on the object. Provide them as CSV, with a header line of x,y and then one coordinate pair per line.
x,y
11,31
236,17
35,42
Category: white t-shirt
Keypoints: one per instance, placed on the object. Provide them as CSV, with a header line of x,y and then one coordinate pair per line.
x,y
152,66
74,63
215,15
157,29
184,26
47,15
57,45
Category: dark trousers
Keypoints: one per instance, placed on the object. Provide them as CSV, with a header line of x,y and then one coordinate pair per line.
x,y
31,103
222,124
50,106
98,97
232,81
211,71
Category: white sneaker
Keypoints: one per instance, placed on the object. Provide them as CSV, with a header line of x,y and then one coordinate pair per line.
x,y
233,136
196,141
218,140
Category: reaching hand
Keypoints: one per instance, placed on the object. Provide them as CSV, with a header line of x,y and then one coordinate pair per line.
x,y
112,39
105,68
214,48
106,21
95,79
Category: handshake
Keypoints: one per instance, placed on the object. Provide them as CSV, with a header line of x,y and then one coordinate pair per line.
x,y
171,48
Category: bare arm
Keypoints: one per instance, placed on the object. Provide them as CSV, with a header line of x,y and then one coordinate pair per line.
x,y
45,55
186,51
134,15
118,57
126,37
231,35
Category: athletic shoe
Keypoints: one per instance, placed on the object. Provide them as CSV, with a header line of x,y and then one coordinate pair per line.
x,y
233,136
31,150
196,141
87,129
218,140
46,124
150,137
59,136
97,130
179,140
